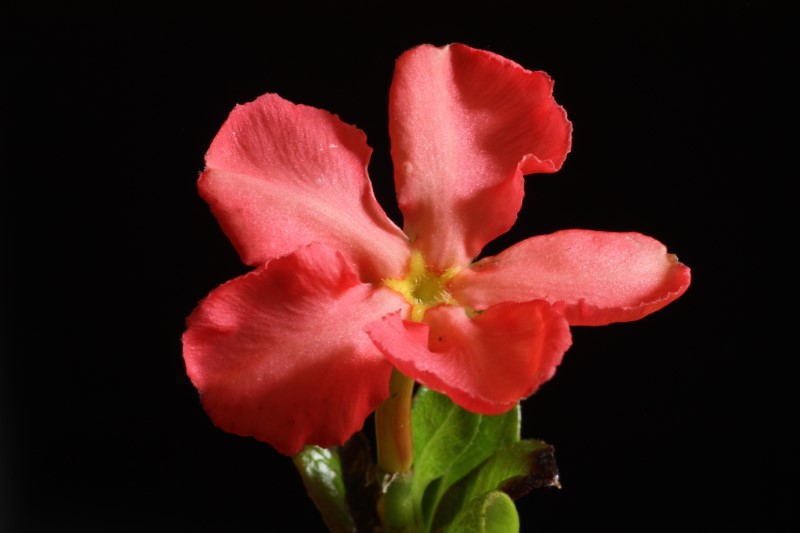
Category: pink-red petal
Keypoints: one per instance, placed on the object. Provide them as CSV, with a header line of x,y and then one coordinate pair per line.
x,y
594,277
466,125
485,364
280,353
279,176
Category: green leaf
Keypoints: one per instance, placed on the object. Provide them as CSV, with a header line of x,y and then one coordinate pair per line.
x,y
491,512
494,433
442,431
321,472
449,442
516,470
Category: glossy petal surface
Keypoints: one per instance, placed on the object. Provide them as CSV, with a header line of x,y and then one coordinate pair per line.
x,y
596,277
280,175
280,353
486,364
466,125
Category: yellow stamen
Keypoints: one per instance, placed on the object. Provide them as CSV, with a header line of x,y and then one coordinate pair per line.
x,y
423,288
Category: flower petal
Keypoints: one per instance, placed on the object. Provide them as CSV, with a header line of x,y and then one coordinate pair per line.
x,y
280,353
485,364
279,176
465,125
596,277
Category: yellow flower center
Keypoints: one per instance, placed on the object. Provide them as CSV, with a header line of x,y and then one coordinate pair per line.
x,y
423,288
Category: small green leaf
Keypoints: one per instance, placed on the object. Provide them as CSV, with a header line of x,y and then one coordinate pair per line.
x,y
321,472
491,512
516,470
449,442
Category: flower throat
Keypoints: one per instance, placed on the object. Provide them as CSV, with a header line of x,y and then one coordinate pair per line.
x,y
423,288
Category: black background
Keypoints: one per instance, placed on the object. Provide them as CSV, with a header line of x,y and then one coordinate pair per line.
x,y
679,420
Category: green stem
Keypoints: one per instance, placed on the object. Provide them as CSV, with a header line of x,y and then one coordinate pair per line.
x,y
396,455
393,427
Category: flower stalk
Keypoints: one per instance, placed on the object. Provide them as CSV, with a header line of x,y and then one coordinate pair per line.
x,y
393,427
396,454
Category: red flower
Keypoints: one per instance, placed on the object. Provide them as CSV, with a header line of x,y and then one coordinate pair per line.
x,y
299,351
